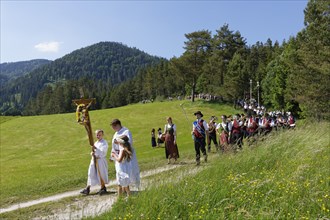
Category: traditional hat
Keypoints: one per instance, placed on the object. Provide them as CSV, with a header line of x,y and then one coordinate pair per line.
x,y
198,113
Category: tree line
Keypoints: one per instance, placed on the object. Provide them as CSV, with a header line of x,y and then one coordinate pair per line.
x,y
203,72
293,76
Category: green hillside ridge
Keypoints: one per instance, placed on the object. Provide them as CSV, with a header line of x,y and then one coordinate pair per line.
x,y
285,176
95,68
13,70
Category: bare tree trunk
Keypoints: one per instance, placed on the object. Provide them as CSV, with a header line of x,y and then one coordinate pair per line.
x,y
193,92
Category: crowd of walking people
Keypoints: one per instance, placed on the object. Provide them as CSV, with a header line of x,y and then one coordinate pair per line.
x,y
229,134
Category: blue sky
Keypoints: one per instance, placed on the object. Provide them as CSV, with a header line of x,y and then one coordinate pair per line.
x,y
52,29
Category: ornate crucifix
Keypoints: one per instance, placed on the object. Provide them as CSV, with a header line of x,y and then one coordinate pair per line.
x,y
82,116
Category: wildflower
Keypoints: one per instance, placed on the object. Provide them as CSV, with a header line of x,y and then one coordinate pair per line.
x,y
323,207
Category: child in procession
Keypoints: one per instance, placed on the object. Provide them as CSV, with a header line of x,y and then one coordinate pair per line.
x,y
123,164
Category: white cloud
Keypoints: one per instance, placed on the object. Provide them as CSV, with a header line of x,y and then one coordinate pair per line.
x,y
52,46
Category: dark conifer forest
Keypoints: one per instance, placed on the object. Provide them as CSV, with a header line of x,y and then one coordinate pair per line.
x,y
10,71
293,75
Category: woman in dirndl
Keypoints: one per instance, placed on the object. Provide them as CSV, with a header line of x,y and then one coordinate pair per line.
x,y
171,148
224,130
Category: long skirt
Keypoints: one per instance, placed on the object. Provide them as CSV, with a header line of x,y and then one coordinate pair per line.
x,y
153,142
223,141
171,149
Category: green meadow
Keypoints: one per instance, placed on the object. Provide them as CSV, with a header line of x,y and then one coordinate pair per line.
x,y
46,155
283,176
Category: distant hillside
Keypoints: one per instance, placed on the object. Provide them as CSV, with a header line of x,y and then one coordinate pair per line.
x,y
14,70
96,69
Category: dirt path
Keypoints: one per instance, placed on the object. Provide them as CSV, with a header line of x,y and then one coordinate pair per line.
x,y
83,206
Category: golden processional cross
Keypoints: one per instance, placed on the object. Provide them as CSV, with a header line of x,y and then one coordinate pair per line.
x,y
82,116
84,119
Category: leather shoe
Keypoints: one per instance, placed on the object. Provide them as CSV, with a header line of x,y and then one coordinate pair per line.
x,y
102,191
85,191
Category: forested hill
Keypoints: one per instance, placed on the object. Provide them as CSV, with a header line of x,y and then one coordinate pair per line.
x,y
292,76
14,70
93,69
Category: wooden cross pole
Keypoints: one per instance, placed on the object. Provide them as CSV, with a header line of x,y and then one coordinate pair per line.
x,y
83,118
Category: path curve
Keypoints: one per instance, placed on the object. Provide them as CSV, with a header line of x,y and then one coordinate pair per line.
x,y
76,192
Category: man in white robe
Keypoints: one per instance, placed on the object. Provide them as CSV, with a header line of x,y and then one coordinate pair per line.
x,y
121,131
98,175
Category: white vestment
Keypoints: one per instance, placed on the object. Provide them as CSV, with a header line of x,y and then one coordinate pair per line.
x,y
134,174
102,164
123,171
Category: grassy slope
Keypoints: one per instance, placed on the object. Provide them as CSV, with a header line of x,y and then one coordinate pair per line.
x,y
286,176
45,155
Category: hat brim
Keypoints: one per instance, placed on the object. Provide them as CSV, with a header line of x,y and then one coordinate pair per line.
x,y
197,113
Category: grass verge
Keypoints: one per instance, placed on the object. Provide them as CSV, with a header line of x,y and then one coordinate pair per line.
x,y
285,177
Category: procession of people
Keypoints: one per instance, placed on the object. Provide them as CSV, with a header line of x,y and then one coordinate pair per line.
x,y
233,130
227,135
236,129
